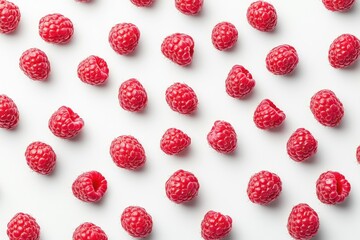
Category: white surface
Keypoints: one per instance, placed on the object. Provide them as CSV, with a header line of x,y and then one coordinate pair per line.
x,y
306,25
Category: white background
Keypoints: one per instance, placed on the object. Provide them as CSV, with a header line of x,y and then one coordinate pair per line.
x,y
305,24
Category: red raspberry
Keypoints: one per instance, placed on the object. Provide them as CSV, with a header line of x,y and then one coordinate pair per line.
x,y
23,226
136,221
174,141
332,188
344,51
127,152
189,7
301,145
179,48
40,157
56,28
89,186
262,16
89,231
142,3
338,5
9,16
303,222
93,70
181,98
327,108
224,36
358,154
65,123
239,82
222,137
215,226
9,113
132,95
124,38
268,116
282,60
84,1
35,64
182,187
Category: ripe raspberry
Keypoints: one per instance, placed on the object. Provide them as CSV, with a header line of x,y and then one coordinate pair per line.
x,y
124,38
132,95
327,108
89,231
179,48
35,64
174,141
301,145
40,157
182,187
142,3
93,70
239,82
56,28
344,51
65,123
358,154
9,113
189,7
338,5
267,115
262,16
224,36
127,152
9,16
136,221
23,226
181,98
282,60
84,1
89,186
222,137
303,222
332,187
215,226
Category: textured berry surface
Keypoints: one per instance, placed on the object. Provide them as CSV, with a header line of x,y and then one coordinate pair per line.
x,y
40,157
132,96
9,16
35,64
182,186
56,28
142,3
179,48
282,60
23,227
181,98
338,5
332,187
9,113
262,16
344,51
174,141
224,36
65,123
136,221
303,222
222,137
189,7
89,186
89,231
93,70
239,82
301,145
215,226
124,38
268,116
358,154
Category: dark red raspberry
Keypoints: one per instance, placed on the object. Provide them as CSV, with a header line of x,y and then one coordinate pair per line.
x,y
282,60
40,157
239,82
262,16
215,226
222,137
181,98
35,64
142,3
332,188
9,16
23,227
89,231
174,141
303,222
358,154
132,95
179,48
301,145
224,36
344,51
136,221
65,123
9,113
93,70
56,28
268,116
189,7
182,187
89,186
338,5
124,38
127,152
327,108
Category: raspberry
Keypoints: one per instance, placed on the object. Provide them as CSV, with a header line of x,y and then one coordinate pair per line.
x,y
89,231
301,145
9,16
142,3
332,188
40,157
268,116
35,64
303,222
189,7
56,28
89,186
327,108
136,221
239,82
215,226
84,1
358,154
181,98
93,70
174,141
222,137
65,123
9,113
179,48
262,16
282,60
124,38
132,95
23,226
338,5
127,152
182,187
344,51
224,36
